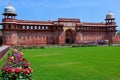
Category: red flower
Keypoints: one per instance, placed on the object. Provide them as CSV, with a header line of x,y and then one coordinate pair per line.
x,y
18,70
10,70
10,59
26,71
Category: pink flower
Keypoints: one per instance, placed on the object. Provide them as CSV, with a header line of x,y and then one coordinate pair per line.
x,y
19,59
19,55
27,64
30,69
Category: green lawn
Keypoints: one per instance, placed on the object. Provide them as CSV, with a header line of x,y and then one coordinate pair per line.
x,y
83,63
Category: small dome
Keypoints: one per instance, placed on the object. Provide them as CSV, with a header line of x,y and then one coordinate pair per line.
x,y
9,9
110,15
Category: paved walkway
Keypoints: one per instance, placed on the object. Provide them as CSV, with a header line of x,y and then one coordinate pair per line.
x,y
3,50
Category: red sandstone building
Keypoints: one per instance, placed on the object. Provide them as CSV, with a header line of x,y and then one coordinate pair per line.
x,y
62,31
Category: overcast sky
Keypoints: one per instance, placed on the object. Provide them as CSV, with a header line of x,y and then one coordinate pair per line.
x,y
85,10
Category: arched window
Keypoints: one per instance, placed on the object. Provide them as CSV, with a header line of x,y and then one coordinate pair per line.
x,y
31,27
35,27
27,27
39,27
42,27
46,27
23,27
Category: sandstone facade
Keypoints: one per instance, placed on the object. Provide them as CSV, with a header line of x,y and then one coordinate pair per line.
x,y
63,31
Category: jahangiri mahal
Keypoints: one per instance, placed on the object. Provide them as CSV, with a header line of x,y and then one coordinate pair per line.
x,y
62,31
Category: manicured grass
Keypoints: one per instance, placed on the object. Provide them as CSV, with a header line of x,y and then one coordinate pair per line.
x,y
83,63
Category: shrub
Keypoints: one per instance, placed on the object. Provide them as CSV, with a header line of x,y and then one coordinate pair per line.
x,y
16,67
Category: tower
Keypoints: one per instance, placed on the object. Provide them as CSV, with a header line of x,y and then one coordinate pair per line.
x,y
9,26
109,18
110,26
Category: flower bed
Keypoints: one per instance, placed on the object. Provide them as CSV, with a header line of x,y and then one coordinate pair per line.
x,y
16,67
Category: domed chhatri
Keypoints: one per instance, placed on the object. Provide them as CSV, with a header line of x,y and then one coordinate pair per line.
x,y
9,12
110,15
9,9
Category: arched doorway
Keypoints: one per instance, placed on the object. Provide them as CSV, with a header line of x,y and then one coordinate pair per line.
x,y
69,36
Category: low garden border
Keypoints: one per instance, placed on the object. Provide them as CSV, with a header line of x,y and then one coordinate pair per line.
x,y
3,51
